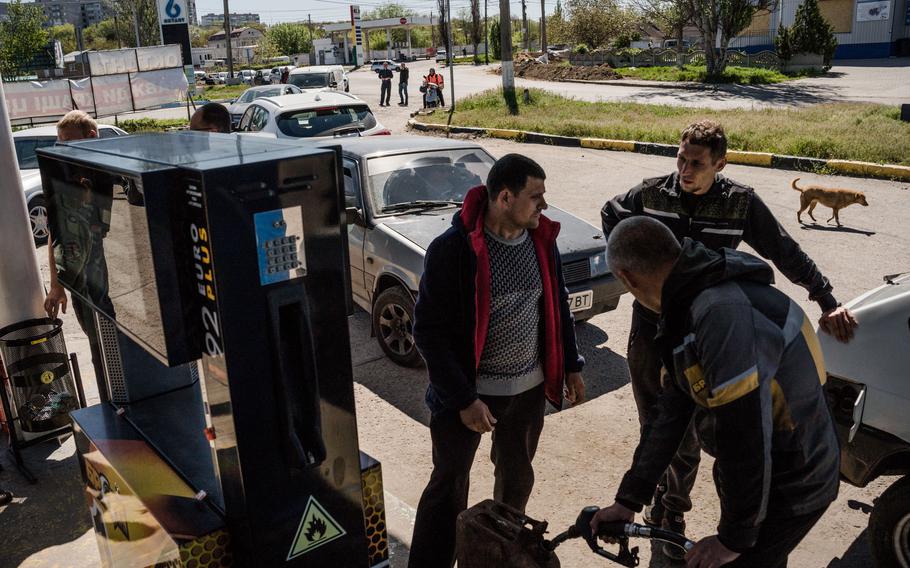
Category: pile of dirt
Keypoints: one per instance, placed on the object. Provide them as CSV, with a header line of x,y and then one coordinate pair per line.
x,y
551,72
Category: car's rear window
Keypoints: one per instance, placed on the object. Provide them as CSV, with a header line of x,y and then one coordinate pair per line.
x,y
309,80
327,121
251,95
25,150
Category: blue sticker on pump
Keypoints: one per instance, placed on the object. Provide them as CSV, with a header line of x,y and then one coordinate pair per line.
x,y
279,242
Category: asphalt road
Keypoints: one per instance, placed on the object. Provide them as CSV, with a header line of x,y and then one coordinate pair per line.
x,y
584,450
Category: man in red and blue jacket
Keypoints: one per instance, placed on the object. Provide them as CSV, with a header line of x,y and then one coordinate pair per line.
x,y
492,322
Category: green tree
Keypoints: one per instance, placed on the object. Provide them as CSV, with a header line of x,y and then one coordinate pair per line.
x,y
288,38
596,22
557,29
65,34
22,37
719,21
671,17
811,32
102,35
127,13
476,28
495,41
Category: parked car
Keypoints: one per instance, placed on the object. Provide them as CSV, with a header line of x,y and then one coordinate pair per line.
x,y
275,74
239,105
869,395
400,193
26,142
246,75
222,78
320,78
440,55
311,115
377,64
199,76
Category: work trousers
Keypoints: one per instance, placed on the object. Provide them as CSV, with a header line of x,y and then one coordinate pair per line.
x,y
644,368
385,92
777,538
519,421
403,93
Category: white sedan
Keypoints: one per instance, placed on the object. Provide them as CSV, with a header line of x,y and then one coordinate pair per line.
x,y
27,141
311,115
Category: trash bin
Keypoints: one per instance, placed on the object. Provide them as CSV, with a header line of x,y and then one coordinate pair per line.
x,y
42,391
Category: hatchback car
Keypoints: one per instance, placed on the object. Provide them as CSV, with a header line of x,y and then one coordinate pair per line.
x,y
240,104
401,193
27,141
868,393
377,65
320,78
311,115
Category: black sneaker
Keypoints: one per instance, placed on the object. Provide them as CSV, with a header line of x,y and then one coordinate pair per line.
x,y
675,522
5,498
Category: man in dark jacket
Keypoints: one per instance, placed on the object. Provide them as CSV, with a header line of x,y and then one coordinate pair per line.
x,y
385,77
403,74
697,202
492,322
744,365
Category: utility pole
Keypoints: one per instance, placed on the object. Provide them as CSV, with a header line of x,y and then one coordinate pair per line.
x,y
136,23
486,34
309,24
450,58
227,40
432,33
543,30
505,42
524,25
117,29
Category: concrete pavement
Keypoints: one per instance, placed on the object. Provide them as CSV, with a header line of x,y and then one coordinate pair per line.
x,y
584,450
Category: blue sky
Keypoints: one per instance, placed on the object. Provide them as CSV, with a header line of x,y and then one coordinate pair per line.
x,y
272,11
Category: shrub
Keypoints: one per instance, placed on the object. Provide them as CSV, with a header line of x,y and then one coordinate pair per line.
x,y
581,49
784,43
811,32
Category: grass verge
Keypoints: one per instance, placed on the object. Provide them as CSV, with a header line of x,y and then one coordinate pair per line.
x,y
137,125
699,73
848,131
218,92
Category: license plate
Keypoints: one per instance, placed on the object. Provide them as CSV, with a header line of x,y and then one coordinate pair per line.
x,y
581,301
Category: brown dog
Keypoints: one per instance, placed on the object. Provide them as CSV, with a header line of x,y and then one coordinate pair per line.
x,y
831,197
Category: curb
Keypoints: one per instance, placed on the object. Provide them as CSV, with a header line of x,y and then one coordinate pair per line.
x,y
760,159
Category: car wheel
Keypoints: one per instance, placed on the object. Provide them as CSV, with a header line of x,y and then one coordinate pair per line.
x,y
889,526
37,218
393,323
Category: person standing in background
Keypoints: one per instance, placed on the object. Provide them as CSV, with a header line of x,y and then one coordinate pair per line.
x,y
403,73
385,92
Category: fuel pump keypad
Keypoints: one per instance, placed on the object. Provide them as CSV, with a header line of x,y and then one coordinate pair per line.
x,y
280,244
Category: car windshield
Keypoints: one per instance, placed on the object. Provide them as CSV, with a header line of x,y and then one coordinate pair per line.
x,y
251,95
309,80
327,121
437,176
25,151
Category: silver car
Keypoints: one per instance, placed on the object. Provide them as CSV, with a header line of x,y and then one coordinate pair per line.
x,y
239,105
26,142
400,194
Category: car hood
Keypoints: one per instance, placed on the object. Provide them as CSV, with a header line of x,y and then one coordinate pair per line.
x,y
576,239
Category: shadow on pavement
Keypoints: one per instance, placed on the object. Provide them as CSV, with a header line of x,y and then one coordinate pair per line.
x,y
49,513
784,94
828,228
857,556
605,370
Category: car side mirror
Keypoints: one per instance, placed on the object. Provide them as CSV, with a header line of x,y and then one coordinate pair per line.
x,y
353,215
